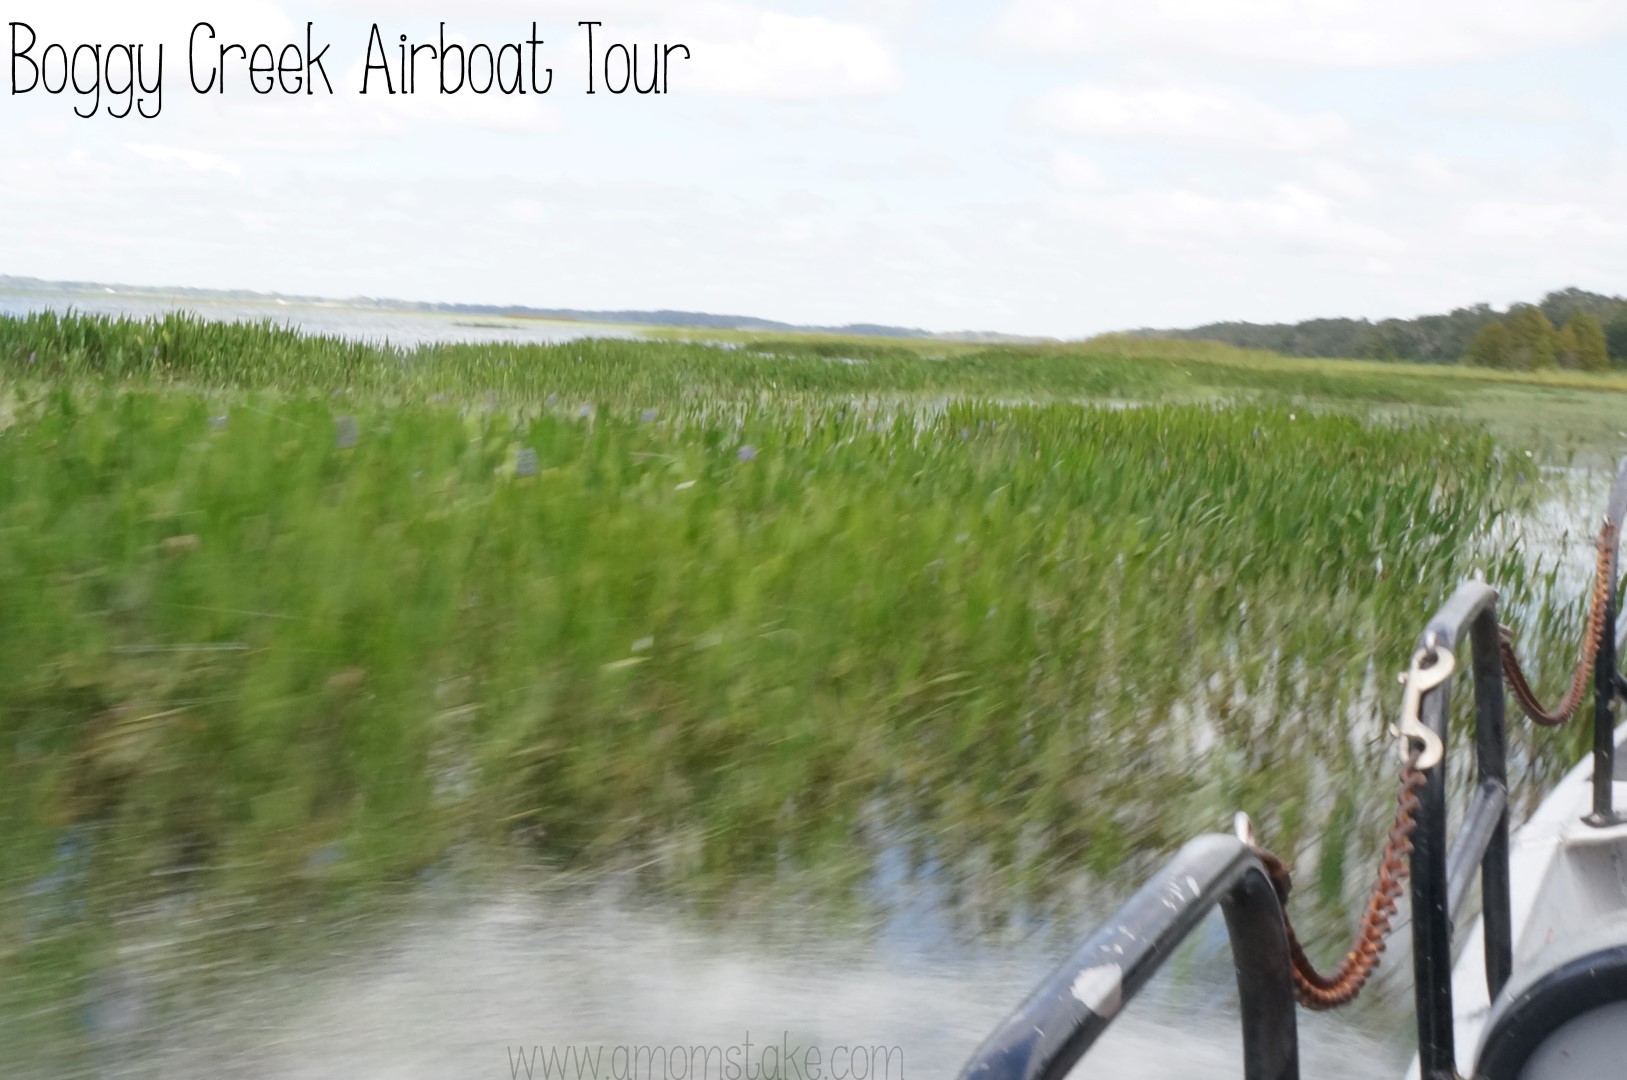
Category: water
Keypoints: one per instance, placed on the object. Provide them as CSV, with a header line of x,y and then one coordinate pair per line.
x,y
402,328
525,975
1561,528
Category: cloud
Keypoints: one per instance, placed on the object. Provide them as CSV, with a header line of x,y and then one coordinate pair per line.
x,y
1188,115
786,56
197,160
1074,170
70,22
1524,222
1309,33
1538,108
1291,218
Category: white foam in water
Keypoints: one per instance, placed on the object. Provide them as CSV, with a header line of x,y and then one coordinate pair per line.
x,y
459,995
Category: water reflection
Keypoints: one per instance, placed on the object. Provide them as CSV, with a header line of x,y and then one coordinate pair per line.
x,y
460,985
402,328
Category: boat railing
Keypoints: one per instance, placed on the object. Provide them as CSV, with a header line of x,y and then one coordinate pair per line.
x,y
1073,1007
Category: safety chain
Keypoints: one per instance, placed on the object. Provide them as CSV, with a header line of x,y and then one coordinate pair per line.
x,y
1515,677
1421,749
1319,992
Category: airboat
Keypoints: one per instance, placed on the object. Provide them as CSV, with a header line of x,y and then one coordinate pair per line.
x,y
1539,988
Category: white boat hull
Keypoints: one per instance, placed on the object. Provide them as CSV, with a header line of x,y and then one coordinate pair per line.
x,y
1567,898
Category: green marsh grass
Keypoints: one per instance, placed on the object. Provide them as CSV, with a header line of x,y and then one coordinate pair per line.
x,y
755,616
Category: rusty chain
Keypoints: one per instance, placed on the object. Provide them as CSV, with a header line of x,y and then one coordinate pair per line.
x,y
1515,677
1319,992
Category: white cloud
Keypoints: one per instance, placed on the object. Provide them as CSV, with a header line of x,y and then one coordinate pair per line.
x,y
1540,108
1292,218
557,13
529,212
785,56
70,22
1190,115
197,160
1071,169
1342,178
1521,222
1310,33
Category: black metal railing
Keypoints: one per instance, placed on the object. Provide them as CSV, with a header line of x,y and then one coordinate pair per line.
x,y
1482,843
1075,1005
1053,1029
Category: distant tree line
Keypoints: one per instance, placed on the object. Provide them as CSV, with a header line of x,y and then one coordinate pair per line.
x,y
1526,339
1590,325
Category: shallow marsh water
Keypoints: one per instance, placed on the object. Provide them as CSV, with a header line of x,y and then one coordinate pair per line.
x,y
454,976
514,981
404,329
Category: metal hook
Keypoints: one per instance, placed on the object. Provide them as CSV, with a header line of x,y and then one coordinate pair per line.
x,y
1419,680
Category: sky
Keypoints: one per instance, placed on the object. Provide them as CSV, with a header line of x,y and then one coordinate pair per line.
x,y
1055,167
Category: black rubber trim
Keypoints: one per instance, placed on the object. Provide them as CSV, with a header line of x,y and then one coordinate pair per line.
x,y
1576,987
